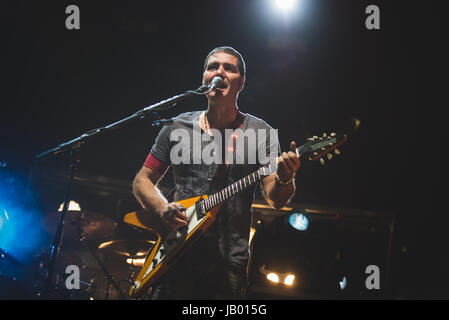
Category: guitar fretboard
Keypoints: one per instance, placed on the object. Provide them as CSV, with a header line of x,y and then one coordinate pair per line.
x,y
248,181
238,186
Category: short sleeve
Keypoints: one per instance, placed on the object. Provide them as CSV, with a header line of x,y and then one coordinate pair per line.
x,y
161,146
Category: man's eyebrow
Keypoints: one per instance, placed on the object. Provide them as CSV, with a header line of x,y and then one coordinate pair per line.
x,y
226,64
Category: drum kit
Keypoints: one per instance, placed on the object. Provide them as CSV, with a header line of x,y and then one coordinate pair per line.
x,y
105,266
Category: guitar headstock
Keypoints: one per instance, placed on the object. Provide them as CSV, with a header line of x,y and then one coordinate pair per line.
x,y
320,148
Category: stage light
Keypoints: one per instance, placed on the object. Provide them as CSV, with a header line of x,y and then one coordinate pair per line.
x,y
285,4
289,279
299,220
73,206
343,283
277,277
273,277
2,221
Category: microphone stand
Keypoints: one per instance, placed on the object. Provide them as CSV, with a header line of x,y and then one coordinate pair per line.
x,y
73,147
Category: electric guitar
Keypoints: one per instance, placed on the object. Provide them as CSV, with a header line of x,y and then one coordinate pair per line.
x,y
201,212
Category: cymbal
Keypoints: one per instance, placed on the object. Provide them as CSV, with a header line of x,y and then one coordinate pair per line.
x,y
127,248
95,226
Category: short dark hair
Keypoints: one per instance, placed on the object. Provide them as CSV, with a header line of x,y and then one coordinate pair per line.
x,y
232,52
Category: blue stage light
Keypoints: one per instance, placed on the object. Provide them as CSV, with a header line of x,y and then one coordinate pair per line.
x,y
299,220
21,233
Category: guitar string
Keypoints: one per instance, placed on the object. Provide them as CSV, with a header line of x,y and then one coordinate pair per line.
x,y
221,195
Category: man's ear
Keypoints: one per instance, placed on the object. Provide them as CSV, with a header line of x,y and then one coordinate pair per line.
x,y
242,83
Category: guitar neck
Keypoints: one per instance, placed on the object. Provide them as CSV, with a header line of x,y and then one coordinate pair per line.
x,y
313,149
238,186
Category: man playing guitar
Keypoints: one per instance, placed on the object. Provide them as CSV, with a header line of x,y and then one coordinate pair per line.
x,y
215,267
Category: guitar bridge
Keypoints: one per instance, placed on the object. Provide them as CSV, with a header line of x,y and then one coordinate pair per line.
x,y
200,209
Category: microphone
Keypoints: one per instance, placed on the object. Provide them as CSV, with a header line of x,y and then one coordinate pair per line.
x,y
217,82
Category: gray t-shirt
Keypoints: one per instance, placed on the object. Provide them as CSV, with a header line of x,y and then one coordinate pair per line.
x,y
194,175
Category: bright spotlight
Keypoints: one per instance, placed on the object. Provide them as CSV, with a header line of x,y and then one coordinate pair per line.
x,y
73,206
299,220
273,277
285,4
343,283
288,280
277,277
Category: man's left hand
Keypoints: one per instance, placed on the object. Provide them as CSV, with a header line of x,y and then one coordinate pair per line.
x,y
288,163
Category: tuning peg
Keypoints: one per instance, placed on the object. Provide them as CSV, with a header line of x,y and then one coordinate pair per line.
x,y
322,161
333,134
315,137
337,152
324,135
329,156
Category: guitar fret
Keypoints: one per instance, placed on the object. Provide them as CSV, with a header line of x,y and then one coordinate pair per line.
x,y
234,188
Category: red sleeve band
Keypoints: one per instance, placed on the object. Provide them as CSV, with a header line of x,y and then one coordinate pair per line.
x,y
155,164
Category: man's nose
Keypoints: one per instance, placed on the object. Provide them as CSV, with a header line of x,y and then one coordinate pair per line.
x,y
220,71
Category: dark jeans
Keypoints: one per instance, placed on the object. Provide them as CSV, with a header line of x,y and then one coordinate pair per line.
x,y
201,274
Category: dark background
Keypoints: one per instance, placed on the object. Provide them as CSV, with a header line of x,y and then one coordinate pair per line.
x,y
316,72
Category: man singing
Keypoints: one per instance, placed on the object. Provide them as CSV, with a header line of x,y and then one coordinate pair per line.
x,y
215,266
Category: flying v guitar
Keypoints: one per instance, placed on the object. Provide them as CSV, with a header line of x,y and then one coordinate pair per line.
x,y
202,211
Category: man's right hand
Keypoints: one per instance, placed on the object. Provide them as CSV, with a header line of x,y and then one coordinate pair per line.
x,y
173,216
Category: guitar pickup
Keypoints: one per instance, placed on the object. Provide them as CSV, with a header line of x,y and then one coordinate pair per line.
x,y
200,210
